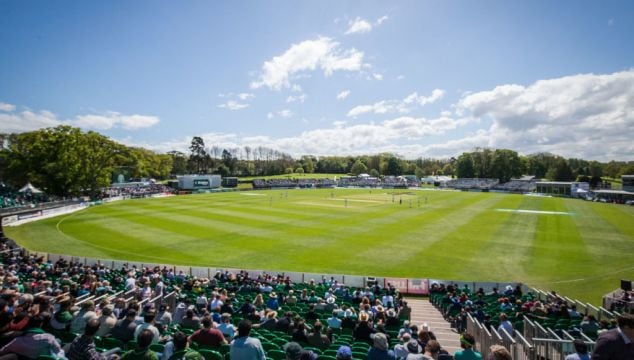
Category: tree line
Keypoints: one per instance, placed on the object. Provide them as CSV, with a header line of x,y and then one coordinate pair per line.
x,y
67,161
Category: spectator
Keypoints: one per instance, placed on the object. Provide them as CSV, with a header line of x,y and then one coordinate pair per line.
x,y
208,336
432,349
83,347
506,325
62,318
271,321
294,351
317,339
299,332
178,349
144,340
226,327
164,317
34,341
499,352
244,347
148,324
81,317
334,322
616,344
284,323
364,329
379,349
107,321
344,353
467,342
124,329
190,321
414,351
581,351
400,349
272,303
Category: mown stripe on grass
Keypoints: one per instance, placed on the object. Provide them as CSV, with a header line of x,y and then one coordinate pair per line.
x,y
558,247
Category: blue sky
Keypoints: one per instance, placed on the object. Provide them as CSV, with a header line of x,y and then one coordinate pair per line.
x,y
416,78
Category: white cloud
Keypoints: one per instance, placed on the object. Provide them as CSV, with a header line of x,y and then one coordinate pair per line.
x,y
233,105
380,20
392,135
400,77
32,120
27,121
322,53
586,115
270,115
359,26
300,98
397,106
342,95
245,96
114,119
377,76
6,107
286,113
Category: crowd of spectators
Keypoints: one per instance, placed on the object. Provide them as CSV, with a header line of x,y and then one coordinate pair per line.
x,y
135,191
505,310
519,186
260,184
70,309
11,198
472,184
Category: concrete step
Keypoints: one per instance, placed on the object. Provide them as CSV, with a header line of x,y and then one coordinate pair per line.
x,y
424,312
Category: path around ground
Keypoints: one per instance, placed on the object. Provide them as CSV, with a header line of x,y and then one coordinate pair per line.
x,y
424,312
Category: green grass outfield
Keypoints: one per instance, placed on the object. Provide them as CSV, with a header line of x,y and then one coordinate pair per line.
x,y
578,248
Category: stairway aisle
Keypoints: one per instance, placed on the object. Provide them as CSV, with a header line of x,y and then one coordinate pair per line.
x,y
424,312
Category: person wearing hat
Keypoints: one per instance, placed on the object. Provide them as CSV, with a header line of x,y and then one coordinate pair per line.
x,y
467,342
414,350
331,304
344,353
294,351
379,349
272,303
62,317
363,329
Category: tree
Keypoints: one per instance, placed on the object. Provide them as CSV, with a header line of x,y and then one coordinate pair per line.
x,y
299,170
198,155
63,160
179,162
560,171
464,166
393,167
358,168
506,164
374,173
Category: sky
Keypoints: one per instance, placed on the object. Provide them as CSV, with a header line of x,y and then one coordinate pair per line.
x,y
414,78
